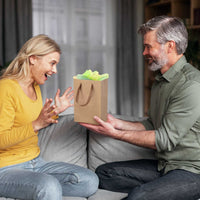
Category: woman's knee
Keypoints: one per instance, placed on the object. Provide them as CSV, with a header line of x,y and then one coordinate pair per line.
x,y
48,188
82,183
91,182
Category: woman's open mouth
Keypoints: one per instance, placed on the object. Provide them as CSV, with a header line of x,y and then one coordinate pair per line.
x,y
47,75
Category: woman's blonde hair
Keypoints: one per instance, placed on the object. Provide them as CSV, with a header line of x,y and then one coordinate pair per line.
x,y
39,45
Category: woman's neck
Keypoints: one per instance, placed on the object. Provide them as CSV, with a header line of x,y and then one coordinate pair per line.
x,y
28,88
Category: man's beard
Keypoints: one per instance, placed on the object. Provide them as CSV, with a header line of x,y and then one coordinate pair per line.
x,y
157,62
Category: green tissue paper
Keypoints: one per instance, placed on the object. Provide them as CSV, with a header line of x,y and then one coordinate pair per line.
x,y
90,75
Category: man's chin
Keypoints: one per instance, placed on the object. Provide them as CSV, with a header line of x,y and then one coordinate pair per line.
x,y
154,67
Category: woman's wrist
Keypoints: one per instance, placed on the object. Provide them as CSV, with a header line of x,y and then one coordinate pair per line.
x,y
36,127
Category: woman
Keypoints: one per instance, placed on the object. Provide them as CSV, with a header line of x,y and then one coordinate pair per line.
x,y
23,173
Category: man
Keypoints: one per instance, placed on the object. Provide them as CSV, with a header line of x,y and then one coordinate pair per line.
x,y
173,126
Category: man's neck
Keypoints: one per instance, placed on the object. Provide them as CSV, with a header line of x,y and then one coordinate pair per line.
x,y
171,62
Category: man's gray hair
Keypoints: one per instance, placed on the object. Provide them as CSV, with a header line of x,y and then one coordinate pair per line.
x,y
167,29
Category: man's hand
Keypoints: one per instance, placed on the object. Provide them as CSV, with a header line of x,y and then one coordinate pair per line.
x,y
104,128
131,132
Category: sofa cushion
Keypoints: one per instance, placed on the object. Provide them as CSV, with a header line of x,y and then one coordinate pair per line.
x,y
65,141
103,149
73,198
3,198
107,195
64,198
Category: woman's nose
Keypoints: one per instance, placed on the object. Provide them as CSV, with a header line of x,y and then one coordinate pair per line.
x,y
54,70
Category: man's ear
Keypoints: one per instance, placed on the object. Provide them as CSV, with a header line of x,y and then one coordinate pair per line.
x,y
171,46
32,59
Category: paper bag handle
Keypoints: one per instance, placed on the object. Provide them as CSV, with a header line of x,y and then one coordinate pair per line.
x,y
89,95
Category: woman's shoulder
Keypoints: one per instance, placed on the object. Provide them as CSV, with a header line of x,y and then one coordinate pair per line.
x,y
8,84
8,81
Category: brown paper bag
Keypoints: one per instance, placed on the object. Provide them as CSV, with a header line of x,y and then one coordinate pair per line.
x,y
90,99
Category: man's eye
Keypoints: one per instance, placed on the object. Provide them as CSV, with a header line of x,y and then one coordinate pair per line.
x,y
147,48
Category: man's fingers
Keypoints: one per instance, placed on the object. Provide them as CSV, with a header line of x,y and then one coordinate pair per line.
x,y
100,121
97,119
87,125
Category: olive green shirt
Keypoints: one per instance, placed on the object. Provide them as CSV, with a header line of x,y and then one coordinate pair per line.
x,y
175,116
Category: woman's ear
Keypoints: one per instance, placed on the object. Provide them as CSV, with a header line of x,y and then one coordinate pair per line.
x,y
32,59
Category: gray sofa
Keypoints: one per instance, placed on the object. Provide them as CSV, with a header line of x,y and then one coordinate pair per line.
x,y
73,143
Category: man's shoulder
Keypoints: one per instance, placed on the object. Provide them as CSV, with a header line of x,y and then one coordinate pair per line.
x,y
191,73
186,80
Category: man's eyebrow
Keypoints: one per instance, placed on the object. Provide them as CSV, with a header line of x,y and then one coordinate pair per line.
x,y
148,45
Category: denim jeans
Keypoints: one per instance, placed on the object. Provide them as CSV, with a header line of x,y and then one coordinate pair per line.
x,y
41,180
142,181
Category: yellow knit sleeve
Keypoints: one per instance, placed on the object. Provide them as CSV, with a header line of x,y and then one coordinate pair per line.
x,y
11,132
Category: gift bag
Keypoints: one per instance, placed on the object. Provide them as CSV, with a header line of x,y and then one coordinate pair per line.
x,y
90,99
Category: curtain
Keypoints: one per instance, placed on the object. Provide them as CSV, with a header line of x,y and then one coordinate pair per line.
x,y
129,58
16,27
85,31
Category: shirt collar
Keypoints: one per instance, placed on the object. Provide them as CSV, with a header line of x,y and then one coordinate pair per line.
x,y
169,74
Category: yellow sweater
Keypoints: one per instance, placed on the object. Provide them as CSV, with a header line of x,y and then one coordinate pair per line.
x,y
18,141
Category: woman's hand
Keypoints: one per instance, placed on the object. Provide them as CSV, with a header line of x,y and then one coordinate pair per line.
x,y
45,116
63,102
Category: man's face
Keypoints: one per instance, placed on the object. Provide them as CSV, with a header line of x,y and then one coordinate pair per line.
x,y
154,52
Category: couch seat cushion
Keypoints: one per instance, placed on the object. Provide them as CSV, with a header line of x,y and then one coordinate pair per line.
x,y
107,195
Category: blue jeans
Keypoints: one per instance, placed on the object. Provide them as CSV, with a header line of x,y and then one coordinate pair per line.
x,y
41,180
142,181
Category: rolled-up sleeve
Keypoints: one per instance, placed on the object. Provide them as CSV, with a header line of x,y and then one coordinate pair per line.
x,y
182,113
148,124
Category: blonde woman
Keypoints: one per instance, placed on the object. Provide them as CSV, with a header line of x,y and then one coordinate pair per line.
x,y
23,173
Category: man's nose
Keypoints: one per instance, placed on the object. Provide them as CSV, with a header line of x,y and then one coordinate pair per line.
x,y
144,52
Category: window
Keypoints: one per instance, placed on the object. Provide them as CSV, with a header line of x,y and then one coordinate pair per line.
x,y
85,31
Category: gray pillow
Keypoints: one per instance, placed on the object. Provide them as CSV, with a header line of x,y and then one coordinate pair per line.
x,y
65,141
103,149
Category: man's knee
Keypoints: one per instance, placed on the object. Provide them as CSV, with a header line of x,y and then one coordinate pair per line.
x,y
104,170
138,193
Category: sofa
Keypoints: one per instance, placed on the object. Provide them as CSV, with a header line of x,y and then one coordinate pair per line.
x,y
70,142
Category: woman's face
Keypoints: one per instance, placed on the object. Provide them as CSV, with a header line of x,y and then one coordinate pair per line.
x,y
43,67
